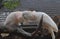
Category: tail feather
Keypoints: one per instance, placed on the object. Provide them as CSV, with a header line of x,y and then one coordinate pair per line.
x,y
49,21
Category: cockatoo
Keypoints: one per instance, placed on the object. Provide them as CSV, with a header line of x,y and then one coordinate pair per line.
x,y
25,16
51,25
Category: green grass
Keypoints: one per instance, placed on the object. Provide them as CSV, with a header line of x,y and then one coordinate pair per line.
x,y
11,4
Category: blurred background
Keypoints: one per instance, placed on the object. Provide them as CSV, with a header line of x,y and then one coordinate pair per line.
x,y
51,7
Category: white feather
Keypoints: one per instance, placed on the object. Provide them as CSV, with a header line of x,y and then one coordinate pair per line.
x,y
46,19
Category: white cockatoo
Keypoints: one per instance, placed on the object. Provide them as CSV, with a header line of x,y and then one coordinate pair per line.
x,y
51,25
25,16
